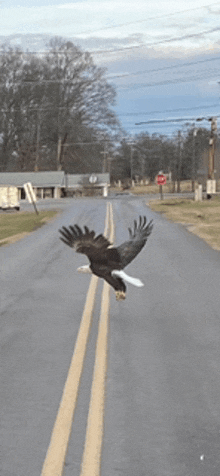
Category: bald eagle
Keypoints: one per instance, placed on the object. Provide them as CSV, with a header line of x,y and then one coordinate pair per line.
x,y
106,261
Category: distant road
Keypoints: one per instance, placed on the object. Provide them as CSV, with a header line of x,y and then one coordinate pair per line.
x,y
161,409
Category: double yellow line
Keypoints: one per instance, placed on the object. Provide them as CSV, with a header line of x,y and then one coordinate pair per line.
x,y
56,453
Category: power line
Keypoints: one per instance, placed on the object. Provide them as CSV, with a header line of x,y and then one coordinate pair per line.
x,y
164,68
166,110
126,48
166,82
124,76
146,45
24,108
148,19
100,141
69,80
177,119
72,81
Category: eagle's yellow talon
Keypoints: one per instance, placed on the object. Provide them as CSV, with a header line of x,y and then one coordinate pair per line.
x,y
120,295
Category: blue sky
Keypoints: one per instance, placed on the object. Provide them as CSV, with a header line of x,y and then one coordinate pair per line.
x,y
163,57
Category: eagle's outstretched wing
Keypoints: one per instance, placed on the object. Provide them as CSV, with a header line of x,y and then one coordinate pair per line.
x,y
98,248
95,247
138,238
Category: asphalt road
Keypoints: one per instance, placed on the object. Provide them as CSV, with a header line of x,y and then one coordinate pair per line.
x,y
162,405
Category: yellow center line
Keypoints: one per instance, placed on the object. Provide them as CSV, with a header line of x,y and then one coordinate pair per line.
x,y
56,453
91,460
107,220
55,457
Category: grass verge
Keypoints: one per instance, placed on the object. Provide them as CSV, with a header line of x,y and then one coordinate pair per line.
x,y
201,218
152,188
15,225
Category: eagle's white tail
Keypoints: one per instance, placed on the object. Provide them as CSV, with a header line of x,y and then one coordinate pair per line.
x,y
121,274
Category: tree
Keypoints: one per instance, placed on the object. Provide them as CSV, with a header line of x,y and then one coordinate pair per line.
x,y
49,101
121,167
196,141
155,154
11,66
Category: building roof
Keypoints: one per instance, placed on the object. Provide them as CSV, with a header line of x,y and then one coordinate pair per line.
x,y
53,179
37,179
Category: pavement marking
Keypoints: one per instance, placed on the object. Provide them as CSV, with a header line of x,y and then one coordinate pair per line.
x,y
106,229
111,224
56,453
91,460
94,433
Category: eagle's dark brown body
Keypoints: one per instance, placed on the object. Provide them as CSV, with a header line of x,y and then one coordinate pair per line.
x,y
107,261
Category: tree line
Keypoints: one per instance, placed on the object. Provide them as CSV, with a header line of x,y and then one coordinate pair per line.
x,y
56,112
146,155
48,103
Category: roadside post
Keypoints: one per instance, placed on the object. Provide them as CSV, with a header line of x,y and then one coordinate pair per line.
x,y
198,193
211,182
105,190
31,195
210,188
161,180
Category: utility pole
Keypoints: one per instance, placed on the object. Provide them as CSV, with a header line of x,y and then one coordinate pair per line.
x,y
211,182
142,166
36,166
131,162
194,160
212,145
104,165
180,142
59,166
59,141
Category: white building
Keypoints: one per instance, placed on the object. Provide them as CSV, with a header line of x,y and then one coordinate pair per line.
x,y
56,184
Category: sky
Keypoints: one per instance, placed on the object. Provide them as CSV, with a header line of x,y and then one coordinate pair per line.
x,y
162,57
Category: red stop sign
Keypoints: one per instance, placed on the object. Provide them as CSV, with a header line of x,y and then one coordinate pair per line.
x,y
161,180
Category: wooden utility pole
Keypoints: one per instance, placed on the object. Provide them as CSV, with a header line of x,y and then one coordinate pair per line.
x,y
59,167
104,165
60,151
131,162
212,145
194,160
36,166
179,166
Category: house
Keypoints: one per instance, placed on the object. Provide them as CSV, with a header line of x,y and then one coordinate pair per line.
x,y
56,184
45,184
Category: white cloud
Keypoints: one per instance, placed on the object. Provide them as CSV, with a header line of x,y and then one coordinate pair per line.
x,y
149,20
94,24
95,14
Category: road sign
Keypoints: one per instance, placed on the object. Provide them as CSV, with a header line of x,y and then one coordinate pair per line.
x,y
93,178
161,180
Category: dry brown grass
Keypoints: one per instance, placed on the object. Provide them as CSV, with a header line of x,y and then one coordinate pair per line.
x,y
186,186
201,218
